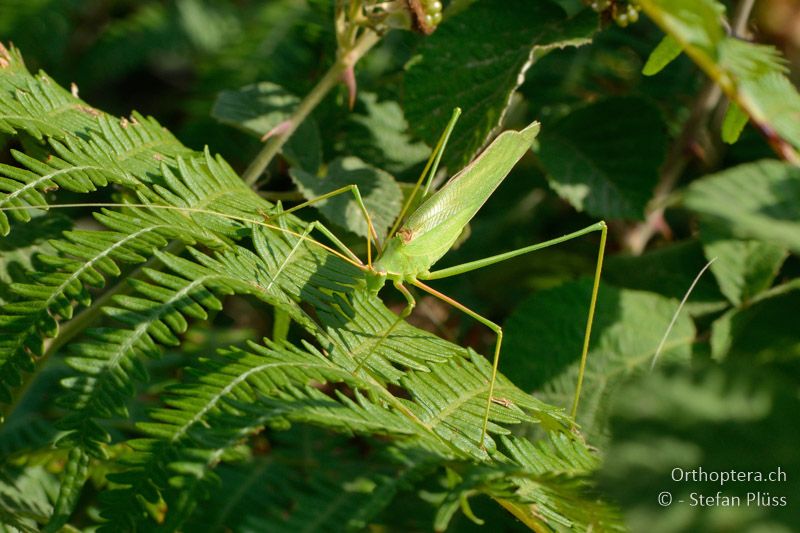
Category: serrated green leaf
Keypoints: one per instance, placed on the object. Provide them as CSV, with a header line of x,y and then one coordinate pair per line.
x,y
734,122
476,60
778,104
259,108
379,190
765,331
628,328
592,163
694,21
381,136
752,201
663,54
743,268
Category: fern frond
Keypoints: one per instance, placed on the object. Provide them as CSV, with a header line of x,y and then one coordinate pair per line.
x,y
89,258
35,105
265,383
547,480
236,394
451,398
92,150
53,293
24,434
23,497
127,153
41,108
342,381
310,478
347,497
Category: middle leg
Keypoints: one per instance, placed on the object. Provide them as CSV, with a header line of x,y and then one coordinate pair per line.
x,y
495,361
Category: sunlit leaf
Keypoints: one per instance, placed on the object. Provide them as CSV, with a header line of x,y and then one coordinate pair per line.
x,y
752,201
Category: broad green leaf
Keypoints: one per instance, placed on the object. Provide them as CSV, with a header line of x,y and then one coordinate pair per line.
x,y
663,54
379,190
771,98
255,108
130,43
669,271
753,201
669,425
765,331
476,60
694,22
544,337
261,107
380,136
742,268
209,26
778,105
592,162
734,122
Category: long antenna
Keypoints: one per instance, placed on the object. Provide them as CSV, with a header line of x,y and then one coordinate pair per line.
x,y
238,218
430,168
677,312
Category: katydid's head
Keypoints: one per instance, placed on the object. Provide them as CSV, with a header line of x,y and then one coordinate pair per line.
x,y
392,261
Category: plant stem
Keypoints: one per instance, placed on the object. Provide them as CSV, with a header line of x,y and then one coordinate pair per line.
x,y
679,156
678,159
741,16
331,78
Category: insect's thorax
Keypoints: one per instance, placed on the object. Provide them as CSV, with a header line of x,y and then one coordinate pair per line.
x,y
397,263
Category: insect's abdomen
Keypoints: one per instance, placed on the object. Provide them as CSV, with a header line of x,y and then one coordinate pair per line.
x,y
433,228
